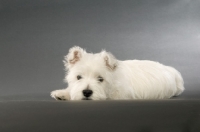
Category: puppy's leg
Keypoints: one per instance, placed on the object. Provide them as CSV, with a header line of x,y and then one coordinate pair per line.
x,y
62,94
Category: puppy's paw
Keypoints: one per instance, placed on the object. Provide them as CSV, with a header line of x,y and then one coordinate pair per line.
x,y
59,95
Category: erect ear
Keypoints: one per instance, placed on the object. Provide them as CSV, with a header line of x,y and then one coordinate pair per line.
x,y
74,55
110,60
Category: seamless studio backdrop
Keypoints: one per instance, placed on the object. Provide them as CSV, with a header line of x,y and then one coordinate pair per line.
x,y
35,36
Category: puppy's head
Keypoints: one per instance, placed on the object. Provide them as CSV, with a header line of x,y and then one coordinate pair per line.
x,y
89,76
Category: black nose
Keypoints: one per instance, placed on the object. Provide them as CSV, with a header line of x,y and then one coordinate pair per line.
x,y
87,93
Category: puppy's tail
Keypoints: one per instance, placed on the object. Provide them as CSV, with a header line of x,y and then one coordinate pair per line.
x,y
179,83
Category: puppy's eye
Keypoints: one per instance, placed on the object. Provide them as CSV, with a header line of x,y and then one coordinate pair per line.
x,y
79,77
100,79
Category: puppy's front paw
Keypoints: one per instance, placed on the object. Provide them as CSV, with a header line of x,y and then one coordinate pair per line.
x,y
59,95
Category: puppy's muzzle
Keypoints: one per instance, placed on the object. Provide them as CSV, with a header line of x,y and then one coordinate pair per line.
x,y
87,93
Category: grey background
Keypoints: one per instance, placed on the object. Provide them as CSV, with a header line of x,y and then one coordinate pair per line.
x,y
35,35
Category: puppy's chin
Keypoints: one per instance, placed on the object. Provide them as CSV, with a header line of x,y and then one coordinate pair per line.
x,y
90,98
82,98
86,98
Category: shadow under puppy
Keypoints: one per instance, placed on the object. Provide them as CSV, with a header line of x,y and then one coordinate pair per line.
x,y
101,76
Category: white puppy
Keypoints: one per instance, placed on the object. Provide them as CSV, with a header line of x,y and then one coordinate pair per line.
x,y
101,76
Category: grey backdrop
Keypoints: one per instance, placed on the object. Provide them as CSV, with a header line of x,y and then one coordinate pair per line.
x,y
35,35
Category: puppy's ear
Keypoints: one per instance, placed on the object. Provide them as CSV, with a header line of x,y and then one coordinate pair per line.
x,y
74,55
110,60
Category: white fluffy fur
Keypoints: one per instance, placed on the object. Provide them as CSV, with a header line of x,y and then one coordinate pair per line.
x,y
130,79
